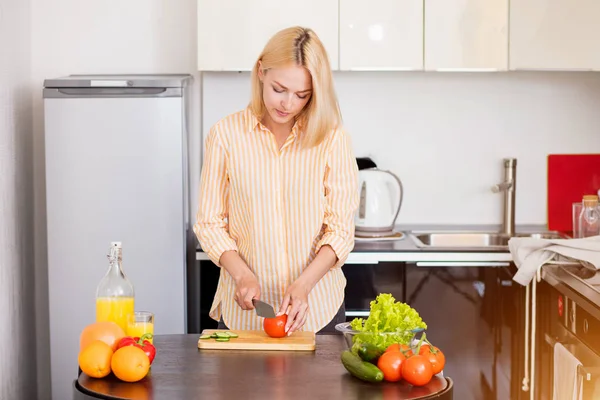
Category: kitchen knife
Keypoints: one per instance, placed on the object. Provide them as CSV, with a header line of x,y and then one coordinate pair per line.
x,y
263,309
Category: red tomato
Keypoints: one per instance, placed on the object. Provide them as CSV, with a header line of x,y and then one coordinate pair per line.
x,y
403,348
390,363
417,370
275,327
435,357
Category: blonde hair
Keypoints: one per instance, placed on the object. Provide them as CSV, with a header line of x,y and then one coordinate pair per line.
x,y
301,47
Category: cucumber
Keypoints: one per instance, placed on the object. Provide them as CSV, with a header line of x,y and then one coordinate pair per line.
x,y
222,339
222,335
369,352
205,337
232,335
361,369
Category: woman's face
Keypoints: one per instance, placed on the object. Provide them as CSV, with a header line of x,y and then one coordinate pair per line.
x,y
285,92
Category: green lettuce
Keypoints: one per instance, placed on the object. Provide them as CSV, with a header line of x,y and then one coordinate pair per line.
x,y
397,320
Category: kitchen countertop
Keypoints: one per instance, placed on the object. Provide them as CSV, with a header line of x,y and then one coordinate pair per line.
x,y
180,371
405,250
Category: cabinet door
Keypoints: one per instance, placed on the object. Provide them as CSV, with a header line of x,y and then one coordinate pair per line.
x,y
381,35
555,34
232,33
466,34
452,299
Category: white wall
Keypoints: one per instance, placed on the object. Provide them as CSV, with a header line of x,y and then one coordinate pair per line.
x,y
17,312
99,36
445,134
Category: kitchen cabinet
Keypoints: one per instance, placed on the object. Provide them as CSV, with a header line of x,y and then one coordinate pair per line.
x,y
466,34
500,335
232,33
381,35
474,299
554,34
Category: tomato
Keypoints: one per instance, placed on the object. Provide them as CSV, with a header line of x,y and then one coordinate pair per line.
x,y
435,357
403,348
275,327
417,370
390,363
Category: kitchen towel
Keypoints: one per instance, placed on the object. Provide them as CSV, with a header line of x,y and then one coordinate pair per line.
x,y
568,385
529,254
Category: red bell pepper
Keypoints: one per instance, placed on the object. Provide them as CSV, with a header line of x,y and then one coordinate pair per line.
x,y
142,343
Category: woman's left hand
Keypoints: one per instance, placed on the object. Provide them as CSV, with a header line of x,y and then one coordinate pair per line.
x,y
295,305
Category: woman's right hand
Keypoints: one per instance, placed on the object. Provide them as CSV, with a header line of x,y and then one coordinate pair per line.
x,y
246,284
246,289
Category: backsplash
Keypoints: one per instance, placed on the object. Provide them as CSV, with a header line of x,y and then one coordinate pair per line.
x,y
445,134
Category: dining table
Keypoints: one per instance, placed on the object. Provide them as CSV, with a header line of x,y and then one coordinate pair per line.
x,y
181,370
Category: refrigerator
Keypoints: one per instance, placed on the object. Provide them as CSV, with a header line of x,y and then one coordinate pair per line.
x,y
116,161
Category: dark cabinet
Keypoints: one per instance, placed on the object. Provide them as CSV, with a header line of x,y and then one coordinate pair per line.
x,y
365,281
202,286
471,310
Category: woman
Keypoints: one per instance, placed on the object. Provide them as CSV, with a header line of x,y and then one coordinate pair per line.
x,y
278,193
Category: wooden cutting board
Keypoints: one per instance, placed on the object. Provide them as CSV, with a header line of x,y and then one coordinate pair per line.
x,y
259,340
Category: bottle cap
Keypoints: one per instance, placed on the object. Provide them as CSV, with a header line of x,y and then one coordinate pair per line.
x,y
590,199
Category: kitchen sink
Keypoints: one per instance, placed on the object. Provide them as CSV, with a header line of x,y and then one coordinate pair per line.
x,y
475,240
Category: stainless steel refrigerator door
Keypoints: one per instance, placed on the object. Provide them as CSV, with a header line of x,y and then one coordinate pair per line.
x,y
115,171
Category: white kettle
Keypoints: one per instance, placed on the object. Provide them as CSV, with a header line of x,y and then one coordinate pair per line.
x,y
380,201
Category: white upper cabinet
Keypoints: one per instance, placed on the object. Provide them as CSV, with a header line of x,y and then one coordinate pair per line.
x,y
555,34
381,35
466,34
232,33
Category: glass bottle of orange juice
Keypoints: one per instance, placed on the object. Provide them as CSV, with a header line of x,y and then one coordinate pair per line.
x,y
115,294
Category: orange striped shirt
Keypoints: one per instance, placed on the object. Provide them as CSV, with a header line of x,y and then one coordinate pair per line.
x,y
276,207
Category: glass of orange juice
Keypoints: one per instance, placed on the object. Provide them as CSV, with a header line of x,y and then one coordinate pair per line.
x,y
140,323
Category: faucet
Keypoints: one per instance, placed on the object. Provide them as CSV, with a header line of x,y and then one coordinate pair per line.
x,y
508,187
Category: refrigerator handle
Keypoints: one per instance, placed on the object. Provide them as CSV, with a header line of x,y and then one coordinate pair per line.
x,y
111,92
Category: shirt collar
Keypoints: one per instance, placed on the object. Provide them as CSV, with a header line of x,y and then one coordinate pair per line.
x,y
253,122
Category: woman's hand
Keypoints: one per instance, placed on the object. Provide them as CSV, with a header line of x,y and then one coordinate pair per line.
x,y
295,305
246,284
246,289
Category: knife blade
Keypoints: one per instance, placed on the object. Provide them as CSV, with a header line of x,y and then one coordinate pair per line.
x,y
263,309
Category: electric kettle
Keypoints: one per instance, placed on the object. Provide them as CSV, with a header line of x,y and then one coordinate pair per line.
x,y
380,201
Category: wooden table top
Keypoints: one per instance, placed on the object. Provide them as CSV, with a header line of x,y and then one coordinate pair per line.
x,y
180,371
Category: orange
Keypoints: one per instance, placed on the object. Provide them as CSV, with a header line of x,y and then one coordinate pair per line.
x,y
109,332
94,360
130,364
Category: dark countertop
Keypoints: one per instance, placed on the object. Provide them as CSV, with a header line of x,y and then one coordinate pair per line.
x,y
409,245
405,250
181,371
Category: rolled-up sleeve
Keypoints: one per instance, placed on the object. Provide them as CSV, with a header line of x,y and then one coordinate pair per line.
x,y
341,194
211,227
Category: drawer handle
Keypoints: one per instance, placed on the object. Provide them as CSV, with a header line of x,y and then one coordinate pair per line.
x,y
462,264
585,373
357,313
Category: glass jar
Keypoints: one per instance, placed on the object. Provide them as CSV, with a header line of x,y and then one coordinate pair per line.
x,y
589,218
